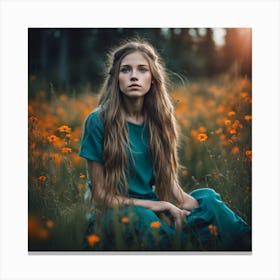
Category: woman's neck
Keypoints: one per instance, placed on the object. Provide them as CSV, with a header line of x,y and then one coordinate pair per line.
x,y
134,109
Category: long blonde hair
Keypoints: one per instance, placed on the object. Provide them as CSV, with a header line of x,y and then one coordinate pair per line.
x,y
159,120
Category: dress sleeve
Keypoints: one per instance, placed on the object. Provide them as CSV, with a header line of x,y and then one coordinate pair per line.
x,y
91,145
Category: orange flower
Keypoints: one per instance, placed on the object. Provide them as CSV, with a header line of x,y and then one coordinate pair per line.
x,y
202,129
236,124
222,137
227,122
49,224
218,131
248,154
232,131
53,138
92,239
64,128
231,113
234,150
82,176
125,220
243,94
155,224
63,97
213,230
57,158
66,150
215,175
194,133
220,108
75,158
32,77
234,138
33,119
42,178
202,137
248,118
184,172
42,234
248,99
36,230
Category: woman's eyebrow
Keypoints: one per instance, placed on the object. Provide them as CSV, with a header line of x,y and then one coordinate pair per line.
x,y
139,65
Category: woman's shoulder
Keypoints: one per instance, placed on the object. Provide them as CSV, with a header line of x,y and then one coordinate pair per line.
x,y
95,117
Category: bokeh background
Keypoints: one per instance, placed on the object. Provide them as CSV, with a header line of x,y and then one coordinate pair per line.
x,y
210,72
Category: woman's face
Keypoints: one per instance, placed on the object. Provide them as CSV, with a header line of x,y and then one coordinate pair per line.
x,y
135,76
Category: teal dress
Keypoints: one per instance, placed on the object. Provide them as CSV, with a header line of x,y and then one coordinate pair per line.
x,y
210,226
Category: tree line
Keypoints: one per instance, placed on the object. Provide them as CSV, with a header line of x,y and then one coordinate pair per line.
x,y
74,58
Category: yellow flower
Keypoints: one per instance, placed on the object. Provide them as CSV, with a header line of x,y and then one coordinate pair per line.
x,y
155,224
92,239
125,220
202,137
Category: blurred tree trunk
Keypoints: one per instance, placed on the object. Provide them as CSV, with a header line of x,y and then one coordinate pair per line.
x,y
63,70
43,53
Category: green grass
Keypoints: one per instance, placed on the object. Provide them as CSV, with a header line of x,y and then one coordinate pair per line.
x,y
56,175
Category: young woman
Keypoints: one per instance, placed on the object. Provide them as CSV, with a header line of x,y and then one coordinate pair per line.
x,y
130,143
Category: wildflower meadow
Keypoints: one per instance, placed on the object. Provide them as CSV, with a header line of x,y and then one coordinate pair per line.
x,y
215,151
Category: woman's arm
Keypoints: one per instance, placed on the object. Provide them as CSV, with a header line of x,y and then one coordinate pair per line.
x,y
96,174
184,200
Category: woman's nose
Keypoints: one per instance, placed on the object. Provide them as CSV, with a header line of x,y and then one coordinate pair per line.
x,y
133,75
133,78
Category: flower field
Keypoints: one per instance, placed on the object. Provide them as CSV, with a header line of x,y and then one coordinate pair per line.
x,y
215,119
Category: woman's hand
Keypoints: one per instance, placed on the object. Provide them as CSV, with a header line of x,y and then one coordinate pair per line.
x,y
178,214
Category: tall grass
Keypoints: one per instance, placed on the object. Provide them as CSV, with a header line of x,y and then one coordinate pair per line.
x,y
215,151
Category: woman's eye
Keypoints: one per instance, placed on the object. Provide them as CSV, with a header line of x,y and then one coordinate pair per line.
x,y
143,70
124,70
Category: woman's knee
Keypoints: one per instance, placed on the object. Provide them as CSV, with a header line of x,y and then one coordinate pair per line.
x,y
204,192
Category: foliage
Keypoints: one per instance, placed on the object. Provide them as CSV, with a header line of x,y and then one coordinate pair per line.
x,y
73,57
